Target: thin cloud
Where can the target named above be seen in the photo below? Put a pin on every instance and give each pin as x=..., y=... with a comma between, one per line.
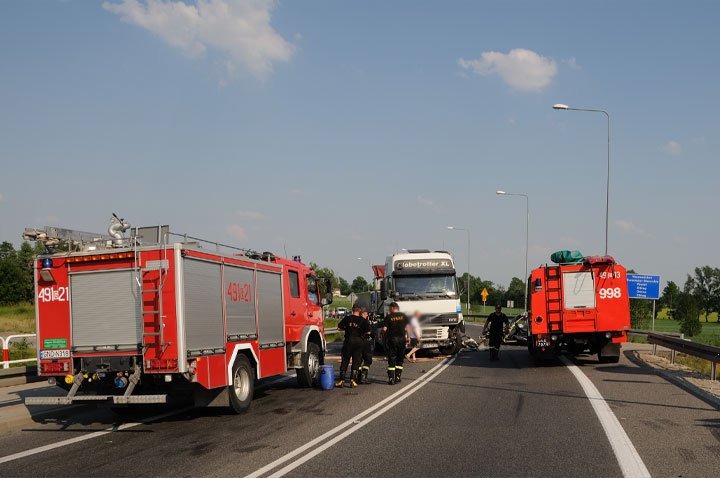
x=429, y=203
x=250, y=214
x=672, y=147
x=239, y=31
x=2, y=198
x=521, y=69
x=236, y=231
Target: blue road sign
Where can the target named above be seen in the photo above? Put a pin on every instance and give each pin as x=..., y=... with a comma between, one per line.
x=643, y=287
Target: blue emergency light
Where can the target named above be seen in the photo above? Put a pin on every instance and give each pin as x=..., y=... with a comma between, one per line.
x=296, y=258
x=47, y=263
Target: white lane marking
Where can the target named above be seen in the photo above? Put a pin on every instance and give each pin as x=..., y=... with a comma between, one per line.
x=627, y=456
x=310, y=444
x=70, y=441
x=358, y=425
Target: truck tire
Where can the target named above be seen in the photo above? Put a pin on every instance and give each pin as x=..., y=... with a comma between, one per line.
x=243, y=384
x=309, y=374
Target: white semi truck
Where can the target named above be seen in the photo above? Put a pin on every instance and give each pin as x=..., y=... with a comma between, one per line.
x=425, y=281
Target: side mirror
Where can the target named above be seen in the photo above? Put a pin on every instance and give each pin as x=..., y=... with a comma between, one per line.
x=383, y=289
x=326, y=301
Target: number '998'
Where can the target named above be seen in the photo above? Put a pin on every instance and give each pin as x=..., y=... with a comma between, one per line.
x=610, y=293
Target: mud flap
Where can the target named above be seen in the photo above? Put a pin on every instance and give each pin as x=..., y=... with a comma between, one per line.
x=610, y=350
x=217, y=397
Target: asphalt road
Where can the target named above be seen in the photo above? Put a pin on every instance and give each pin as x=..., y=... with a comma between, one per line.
x=450, y=417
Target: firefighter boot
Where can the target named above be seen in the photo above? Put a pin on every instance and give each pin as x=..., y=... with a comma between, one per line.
x=354, y=380
x=391, y=376
x=364, y=376
x=341, y=379
x=398, y=373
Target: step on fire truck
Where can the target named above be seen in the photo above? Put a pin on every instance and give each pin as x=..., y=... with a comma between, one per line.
x=141, y=319
x=579, y=307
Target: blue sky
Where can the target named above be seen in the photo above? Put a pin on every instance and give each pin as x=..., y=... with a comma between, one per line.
x=345, y=129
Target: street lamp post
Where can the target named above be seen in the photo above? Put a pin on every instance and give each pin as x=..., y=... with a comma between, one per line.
x=607, y=196
x=453, y=228
x=527, y=235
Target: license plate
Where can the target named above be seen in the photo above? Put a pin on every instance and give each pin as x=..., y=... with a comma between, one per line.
x=52, y=354
x=428, y=346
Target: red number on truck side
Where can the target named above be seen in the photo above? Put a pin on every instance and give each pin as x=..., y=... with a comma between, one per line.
x=239, y=292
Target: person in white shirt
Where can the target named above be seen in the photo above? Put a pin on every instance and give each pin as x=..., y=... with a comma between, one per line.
x=415, y=336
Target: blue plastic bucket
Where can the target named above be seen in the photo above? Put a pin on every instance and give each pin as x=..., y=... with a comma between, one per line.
x=327, y=377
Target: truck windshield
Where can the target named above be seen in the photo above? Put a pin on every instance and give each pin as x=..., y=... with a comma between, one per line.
x=426, y=286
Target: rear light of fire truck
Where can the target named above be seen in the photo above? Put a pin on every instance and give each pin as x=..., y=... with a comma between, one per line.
x=54, y=367
x=101, y=257
x=161, y=364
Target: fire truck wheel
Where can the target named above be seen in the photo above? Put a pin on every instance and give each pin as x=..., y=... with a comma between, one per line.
x=309, y=374
x=243, y=384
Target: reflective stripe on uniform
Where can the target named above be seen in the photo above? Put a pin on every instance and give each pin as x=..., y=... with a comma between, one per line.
x=391, y=368
x=398, y=367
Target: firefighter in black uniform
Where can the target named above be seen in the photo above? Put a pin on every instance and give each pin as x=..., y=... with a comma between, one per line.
x=367, y=352
x=498, y=324
x=355, y=328
x=395, y=336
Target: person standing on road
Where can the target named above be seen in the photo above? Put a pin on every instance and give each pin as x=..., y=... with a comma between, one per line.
x=355, y=328
x=367, y=351
x=395, y=336
x=498, y=324
x=415, y=336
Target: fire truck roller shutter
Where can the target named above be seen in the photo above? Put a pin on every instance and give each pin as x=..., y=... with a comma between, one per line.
x=203, y=305
x=579, y=290
x=105, y=309
x=270, y=309
x=240, y=304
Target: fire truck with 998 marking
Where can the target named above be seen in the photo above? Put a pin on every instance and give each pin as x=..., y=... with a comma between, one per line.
x=140, y=319
x=578, y=307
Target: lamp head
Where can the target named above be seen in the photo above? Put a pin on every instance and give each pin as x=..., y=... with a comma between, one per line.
x=560, y=106
x=500, y=193
x=451, y=227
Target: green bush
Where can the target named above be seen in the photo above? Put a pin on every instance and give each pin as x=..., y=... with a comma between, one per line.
x=687, y=311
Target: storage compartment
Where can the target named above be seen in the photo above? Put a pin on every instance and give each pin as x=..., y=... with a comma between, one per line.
x=105, y=310
x=579, y=290
x=240, y=303
x=204, y=329
x=271, y=318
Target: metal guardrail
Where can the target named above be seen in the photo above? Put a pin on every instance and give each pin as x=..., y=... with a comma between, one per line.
x=6, y=350
x=679, y=344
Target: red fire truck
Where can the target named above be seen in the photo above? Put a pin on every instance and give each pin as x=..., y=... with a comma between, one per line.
x=145, y=320
x=578, y=308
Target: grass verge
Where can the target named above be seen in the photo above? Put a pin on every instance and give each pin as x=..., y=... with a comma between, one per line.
x=17, y=318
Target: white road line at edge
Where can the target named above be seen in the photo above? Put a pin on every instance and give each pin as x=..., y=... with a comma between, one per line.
x=354, y=424
x=627, y=456
x=70, y=441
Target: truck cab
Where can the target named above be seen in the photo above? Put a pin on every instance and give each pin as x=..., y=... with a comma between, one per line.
x=425, y=281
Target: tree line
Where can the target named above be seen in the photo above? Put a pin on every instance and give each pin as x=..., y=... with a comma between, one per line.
x=698, y=298
x=16, y=272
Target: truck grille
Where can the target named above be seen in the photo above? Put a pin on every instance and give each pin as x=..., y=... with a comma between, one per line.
x=435, y=333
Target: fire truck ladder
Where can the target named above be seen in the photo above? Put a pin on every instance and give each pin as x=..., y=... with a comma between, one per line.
x=553, y=298
x=161, y=267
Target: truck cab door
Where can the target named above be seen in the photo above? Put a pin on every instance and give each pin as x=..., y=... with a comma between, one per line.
x=314, y=304
x=295, y=297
